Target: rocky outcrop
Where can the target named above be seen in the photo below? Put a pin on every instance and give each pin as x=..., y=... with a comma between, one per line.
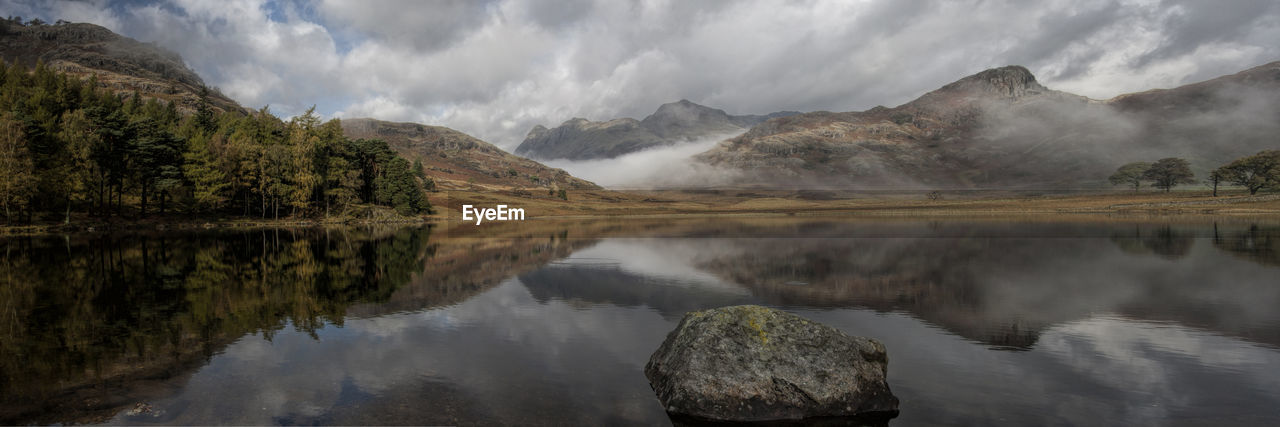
x=672, y=123
x=751, y=363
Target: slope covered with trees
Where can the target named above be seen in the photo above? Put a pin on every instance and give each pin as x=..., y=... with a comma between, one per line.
x=122, y=65
x=67, y=147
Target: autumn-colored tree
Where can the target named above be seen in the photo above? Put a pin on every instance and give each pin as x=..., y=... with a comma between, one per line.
x=68, y=144
x=209, y=183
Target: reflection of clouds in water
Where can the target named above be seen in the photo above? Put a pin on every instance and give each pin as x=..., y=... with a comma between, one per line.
x=1135, y=353
x=1096, y=371
x=1167, y=371
x=499, y=348
x=659, y=258
x=395, y=324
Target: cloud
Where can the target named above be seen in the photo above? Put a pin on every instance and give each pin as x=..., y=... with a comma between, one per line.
x=657, y=167
x=496, y=68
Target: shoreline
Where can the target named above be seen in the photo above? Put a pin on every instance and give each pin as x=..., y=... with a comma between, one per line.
x=163, y=224
x=683, y=205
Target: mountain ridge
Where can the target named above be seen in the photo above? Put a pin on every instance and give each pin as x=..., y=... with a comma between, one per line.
x=672, y=123
x=1000, y=128
x=456, y=160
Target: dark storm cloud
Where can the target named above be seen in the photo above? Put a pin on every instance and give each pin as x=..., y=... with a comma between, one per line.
x=496, y=68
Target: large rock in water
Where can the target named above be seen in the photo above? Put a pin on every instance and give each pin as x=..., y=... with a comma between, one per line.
x=751, y=363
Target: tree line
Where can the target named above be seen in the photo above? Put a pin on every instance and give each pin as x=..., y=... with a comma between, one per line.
x=1260, y=171
x=68, y=147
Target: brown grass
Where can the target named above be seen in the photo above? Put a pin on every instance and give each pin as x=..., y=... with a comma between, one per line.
x=784, y=203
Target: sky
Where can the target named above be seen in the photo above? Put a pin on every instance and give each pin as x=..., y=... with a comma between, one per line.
x=496, y=68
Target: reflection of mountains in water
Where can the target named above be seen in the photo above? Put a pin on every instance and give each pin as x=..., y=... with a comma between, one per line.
x=601, y=281
x=995, y=286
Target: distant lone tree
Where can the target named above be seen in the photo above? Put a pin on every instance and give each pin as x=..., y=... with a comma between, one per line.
x=1216, y=178
x=1130, y=174
x=1255, y=172
x=1168, y=172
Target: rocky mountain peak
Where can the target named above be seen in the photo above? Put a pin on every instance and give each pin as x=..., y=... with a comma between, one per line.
x=685, y=119
x=537, y=130
x=685, y=108
x=1013, y=81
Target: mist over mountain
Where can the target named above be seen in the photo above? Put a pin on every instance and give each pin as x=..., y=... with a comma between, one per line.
x=121, y=64
x=1000, y=128
x=672, y=124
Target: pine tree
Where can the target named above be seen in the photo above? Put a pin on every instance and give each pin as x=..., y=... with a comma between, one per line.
x=16, y=173
x=83, y=175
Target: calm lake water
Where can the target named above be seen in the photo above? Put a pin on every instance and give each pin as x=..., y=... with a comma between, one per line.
x=1107, y=321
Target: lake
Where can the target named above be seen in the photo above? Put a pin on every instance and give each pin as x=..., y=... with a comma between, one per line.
x=1024, y=321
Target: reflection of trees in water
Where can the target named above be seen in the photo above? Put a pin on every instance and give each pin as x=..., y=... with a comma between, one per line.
x=463, y=267
x=1258, y=243
x=1163, y=241
x=82, y=320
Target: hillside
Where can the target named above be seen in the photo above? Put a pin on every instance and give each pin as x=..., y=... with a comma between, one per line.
x=121, y=64
x=210, y=171
x=1000, y=128
x=457, y=161
x=672, y=123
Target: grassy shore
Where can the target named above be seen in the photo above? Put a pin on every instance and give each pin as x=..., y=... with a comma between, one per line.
x=791, y=203
x=681, y=203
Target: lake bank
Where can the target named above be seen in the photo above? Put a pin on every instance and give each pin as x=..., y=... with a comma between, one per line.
x=738, y=203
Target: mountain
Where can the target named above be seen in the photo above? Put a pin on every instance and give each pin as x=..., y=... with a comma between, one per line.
x=456, y=160
x=122, y=64
x=673, y=123
x=453, y=159
x=1001, y=128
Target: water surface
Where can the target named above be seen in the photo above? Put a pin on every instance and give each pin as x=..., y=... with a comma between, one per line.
x=1113, y=321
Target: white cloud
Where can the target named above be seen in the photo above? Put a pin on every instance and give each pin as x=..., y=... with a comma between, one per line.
x=494, y=69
